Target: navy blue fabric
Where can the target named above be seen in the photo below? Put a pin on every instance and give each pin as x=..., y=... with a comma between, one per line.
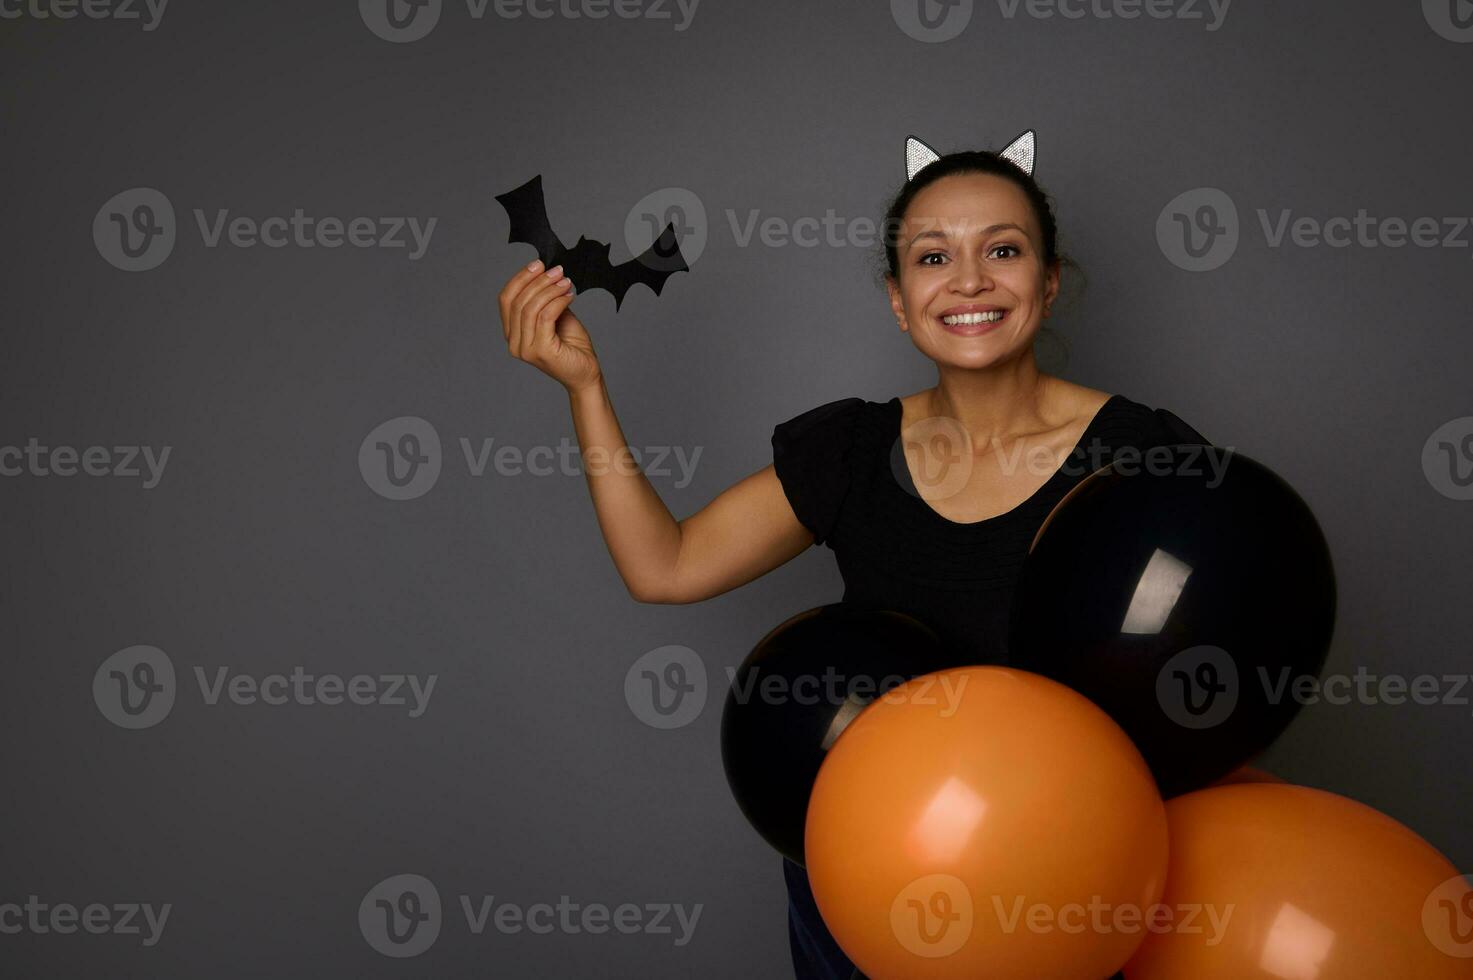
x=816, y=956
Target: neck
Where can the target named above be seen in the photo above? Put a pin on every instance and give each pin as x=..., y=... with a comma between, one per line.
x=997, y=402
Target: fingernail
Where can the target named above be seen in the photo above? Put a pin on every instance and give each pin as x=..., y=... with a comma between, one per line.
x=554, y=272
x=534, y=265
x=566, y=283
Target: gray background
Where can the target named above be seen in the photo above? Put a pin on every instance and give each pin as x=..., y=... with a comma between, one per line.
x=530, y=776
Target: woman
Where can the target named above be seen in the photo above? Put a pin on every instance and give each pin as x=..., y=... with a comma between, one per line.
x=929, y=501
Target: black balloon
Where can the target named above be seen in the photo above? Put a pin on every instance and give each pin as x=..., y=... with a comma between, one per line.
x=1185, y=597
x=797, y=691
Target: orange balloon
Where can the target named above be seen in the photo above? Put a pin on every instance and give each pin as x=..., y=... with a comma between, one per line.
x=985, y=822
x=1285, y=882
x=1248, y=774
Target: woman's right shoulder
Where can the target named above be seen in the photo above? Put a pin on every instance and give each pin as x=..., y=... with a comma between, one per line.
x=838, y=423
x=817, y=453
x=829, y=415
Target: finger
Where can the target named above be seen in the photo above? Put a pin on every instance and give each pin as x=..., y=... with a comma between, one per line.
x=545, y=328
x=524, y=309
x=518, y=280
x=524, y=277
x=530, y=289
x=525, y=315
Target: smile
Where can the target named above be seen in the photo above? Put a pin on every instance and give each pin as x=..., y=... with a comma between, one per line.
x=990, y=316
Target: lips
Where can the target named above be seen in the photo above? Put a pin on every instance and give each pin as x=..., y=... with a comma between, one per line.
x=975, y=326
x=970, y=308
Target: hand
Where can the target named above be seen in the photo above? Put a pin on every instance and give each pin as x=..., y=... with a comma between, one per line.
x=541, y=330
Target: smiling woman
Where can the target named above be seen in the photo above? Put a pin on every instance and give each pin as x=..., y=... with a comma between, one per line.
x=929, y=500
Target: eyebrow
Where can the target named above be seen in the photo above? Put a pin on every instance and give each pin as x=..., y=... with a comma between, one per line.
x=937, y=233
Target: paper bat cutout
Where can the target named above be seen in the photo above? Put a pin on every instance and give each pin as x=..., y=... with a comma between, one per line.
x=587, y=263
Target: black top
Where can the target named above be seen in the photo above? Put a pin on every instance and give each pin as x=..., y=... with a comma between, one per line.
x=842, y=466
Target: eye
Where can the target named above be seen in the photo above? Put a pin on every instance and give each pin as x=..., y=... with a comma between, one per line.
x=928, y=255
x=1017, y=251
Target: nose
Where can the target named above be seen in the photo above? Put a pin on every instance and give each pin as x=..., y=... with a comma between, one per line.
x=970, y=276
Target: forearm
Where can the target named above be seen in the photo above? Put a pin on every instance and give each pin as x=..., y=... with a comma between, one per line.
x=642, y=535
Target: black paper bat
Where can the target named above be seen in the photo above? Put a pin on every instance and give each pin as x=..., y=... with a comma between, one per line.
x=587, y=263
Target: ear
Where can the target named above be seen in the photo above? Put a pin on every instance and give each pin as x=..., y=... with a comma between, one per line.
x=1020, y=151
x=917, y=155
x=896, y=306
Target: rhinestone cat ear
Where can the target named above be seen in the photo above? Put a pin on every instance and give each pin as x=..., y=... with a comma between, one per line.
x=917, y=155
x=1020, y=151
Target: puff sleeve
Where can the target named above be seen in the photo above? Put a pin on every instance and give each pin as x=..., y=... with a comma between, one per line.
x=811, y=455
x=1177, y=432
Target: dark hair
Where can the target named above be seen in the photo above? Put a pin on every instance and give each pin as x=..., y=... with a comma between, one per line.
x=972, y=162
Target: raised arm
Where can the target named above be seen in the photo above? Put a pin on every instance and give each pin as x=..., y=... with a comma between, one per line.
x=746, y=531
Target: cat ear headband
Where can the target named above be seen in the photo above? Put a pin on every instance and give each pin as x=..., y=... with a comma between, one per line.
x=918, y=154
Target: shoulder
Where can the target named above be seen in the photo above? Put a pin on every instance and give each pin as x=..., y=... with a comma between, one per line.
x=835, y=424
x=829, y=415
x=1145, y=425
x=816, y=455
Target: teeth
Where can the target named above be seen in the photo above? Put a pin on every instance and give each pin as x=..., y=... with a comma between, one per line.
x=991, y=316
